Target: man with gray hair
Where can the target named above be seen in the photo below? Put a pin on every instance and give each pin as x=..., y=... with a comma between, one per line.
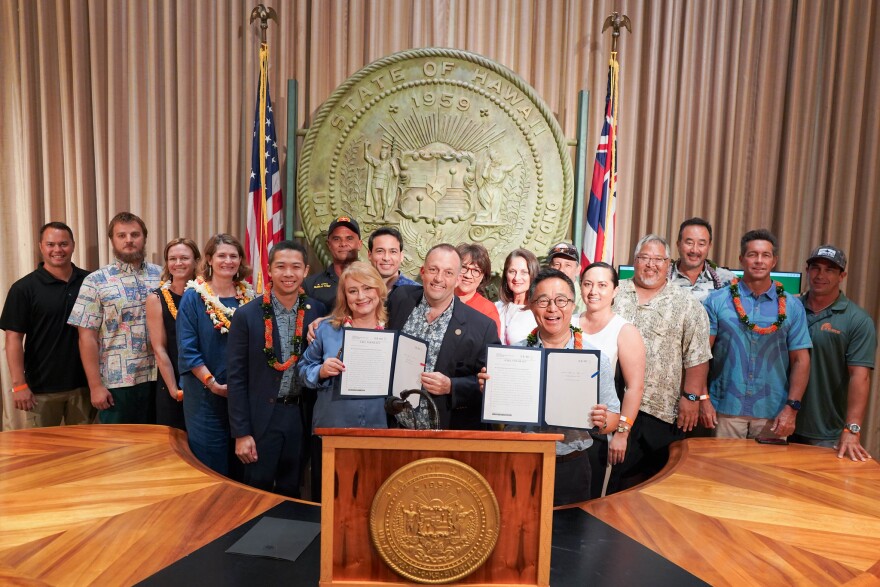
x=676, y=333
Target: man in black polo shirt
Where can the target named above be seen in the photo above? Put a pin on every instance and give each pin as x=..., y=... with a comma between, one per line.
x=344, y=242
x=42, y=350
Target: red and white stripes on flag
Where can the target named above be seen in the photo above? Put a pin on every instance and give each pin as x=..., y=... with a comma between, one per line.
x=265, y=221
x=602, y=208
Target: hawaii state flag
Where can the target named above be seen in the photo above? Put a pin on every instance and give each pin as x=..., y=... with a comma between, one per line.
x=601, y=210
x=265, y=201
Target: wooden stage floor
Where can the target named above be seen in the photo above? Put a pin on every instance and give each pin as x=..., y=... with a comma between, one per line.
x=114, y=505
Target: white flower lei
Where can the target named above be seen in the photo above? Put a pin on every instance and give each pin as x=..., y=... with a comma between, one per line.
x=244, y=293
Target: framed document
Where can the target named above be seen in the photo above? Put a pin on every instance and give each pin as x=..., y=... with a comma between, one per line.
x=379, y=363
x=538, y=386
x=571, y=387
x=512, y=395
x=369, y=357
x=409, y=364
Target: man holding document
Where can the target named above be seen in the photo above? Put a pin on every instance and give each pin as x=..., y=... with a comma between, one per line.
x=572, y=402
x=457, y=337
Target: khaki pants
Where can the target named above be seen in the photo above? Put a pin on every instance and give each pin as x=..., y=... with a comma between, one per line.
x=743, y=427
x=57, y=407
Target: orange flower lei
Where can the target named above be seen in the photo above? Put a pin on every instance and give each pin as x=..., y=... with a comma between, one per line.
x=296, y=343
x=741, y=313
x=214, y=308
x=532, y=338
x=165, y=288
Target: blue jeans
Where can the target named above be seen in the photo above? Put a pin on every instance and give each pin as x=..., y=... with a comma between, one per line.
x=207, y=424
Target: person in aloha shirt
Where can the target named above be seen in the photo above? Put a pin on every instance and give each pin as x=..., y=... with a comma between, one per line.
x=761, y=349
x=110, y=314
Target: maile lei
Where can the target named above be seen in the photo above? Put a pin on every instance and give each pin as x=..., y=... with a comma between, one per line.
x=295, y=343
x=532, y=338
x=741, y=313
x=219, y=314
x=165, y=288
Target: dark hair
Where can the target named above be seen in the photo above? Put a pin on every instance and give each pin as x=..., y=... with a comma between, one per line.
x=695, y=221
x=761, y=234
x=244, y=270
x=125, y=218
x=288, y=245
x=615, y=278
x=550, y=273
x=531, y=264
x=480, y=256
x=384, y=231
x=166, y=274
x=57, y=226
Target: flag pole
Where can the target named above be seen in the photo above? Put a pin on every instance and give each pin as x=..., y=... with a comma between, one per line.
x=264, y=14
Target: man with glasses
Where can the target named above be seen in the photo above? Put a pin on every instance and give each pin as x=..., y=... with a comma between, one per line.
x=676, y=334
x=457, y=337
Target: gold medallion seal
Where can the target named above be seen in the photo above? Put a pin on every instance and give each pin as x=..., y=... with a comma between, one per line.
x=434, y=520
x=444, y=145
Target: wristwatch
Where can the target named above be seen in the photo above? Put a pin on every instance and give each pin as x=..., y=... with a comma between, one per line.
x=854, y=428
x=793, y=404
x=694, y=397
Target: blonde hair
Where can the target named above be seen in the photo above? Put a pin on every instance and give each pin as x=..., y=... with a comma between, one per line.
x=366, y=274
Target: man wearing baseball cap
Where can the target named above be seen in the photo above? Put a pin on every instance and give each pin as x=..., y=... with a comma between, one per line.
x=565, y=257
x=344, y=242
x=844, y=344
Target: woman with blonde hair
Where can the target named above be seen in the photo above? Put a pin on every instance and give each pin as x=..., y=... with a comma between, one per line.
x=203, y=323
x=181, y=259
x=360, y=303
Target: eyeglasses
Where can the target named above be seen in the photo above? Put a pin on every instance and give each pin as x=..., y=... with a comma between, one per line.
x=560, y=302
x=656, y=261
x=475, y=271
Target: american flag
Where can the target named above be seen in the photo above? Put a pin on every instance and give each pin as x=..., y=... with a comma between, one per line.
x=601, y=211
x=265, y=201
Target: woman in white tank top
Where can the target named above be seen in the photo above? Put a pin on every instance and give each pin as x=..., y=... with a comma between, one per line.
x=619, y=340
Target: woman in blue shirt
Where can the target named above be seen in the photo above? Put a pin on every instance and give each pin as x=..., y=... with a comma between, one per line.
x=203, y=321
x=360, y=303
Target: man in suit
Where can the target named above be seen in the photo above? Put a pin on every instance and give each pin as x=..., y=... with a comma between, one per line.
x=265, y=403
x=457, y=337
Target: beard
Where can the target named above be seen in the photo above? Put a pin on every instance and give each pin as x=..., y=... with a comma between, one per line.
x=135, y=258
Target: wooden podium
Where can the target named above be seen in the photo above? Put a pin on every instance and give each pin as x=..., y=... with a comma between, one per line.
x=519, y=468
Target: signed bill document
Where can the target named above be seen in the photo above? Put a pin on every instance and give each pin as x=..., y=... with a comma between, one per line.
x=380, y=363
x=537, y=386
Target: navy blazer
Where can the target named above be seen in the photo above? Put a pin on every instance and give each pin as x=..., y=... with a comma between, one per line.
x=252, y=384
x=462, y=355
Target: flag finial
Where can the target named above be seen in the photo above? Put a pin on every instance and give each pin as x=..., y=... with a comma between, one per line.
x=264, y=13
x=615, y=20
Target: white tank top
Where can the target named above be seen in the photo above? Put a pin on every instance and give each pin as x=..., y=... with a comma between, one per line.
x=606, y=339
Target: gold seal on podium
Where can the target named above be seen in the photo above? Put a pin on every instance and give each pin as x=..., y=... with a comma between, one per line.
x=444, y=145
x=434, y=520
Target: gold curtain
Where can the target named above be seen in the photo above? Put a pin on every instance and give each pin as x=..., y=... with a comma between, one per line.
x=750, y=114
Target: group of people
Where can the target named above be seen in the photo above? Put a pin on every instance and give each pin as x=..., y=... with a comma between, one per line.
x=683, y=344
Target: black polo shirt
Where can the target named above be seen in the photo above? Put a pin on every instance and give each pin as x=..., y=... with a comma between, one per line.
x=322, y=286
x=37, y=306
